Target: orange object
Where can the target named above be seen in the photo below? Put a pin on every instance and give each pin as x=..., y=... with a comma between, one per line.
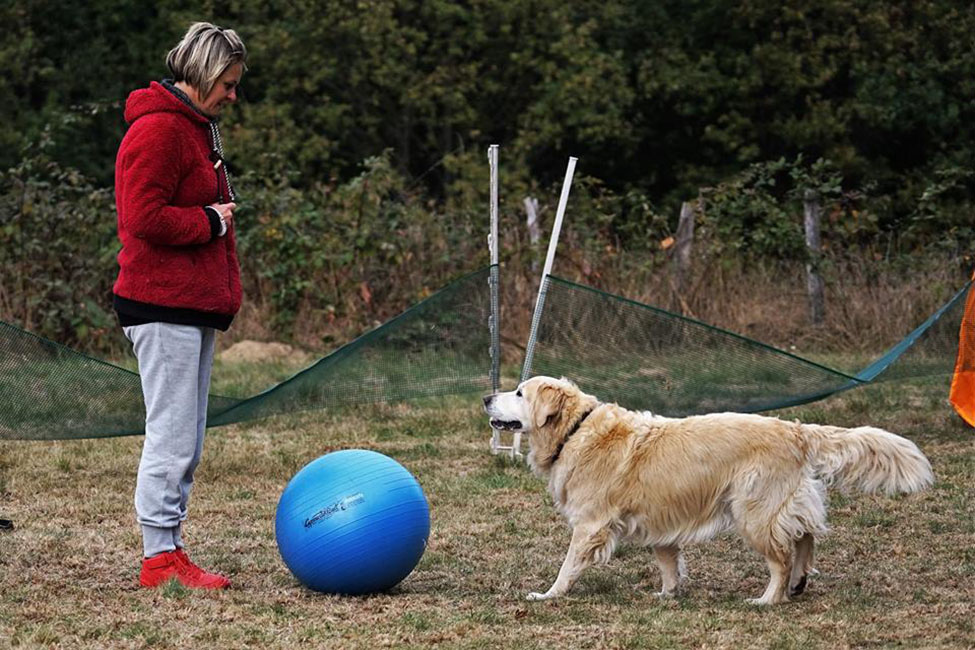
x=962, y=393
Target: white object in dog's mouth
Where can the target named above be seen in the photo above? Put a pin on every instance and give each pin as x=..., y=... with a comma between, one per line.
x=507, y=425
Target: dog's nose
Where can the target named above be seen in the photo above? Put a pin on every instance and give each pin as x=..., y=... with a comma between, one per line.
x=488, y=399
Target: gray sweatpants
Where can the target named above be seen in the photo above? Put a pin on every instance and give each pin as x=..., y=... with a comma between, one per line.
x=174, y=365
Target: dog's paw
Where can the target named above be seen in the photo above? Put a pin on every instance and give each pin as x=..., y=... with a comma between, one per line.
x=665, y=594
x=799, y=587
x=537, y=596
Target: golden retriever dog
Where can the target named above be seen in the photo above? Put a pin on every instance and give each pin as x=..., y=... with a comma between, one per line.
x=619, y=475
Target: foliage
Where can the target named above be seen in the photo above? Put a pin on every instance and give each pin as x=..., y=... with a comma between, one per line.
x=665, y=97
x=56, y=249
x=944, y=212
x=362, y=128
x=335, y=246
x=756, y=213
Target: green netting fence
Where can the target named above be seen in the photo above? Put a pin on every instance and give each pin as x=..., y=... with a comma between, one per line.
x=438, y=347
x=647, y=358
x=637, y=355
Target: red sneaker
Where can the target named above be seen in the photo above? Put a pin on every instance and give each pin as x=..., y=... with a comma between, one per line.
x=175, y=564
x=216, y=580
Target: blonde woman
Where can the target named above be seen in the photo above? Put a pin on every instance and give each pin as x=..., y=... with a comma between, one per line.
x=179, y=278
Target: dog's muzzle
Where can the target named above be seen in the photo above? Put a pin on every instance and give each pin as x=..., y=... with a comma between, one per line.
x=496, y=422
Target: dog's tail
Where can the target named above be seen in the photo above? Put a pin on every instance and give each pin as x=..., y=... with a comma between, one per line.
x=867, y=459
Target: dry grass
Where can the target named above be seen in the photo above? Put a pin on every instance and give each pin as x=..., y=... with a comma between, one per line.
x=895, y=572
x=865, y=310
x=870, y=304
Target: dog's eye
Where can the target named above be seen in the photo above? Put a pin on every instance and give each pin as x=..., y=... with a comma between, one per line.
x=518, y=394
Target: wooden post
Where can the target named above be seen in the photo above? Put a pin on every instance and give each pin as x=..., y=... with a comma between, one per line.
x=812, y=215
x=685, y=242
x=534, y=232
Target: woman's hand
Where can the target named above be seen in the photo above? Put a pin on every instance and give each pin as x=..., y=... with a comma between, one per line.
x=226, y=211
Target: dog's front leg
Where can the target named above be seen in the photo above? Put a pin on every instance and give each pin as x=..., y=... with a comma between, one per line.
x=588, y=544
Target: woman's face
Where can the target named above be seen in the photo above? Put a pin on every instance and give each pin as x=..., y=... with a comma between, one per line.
x=224, y=91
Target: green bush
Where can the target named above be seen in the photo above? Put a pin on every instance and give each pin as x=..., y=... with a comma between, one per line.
x=57, y=248
x=360, y=250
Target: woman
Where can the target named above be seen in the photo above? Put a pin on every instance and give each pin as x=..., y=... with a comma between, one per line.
x=179, y=279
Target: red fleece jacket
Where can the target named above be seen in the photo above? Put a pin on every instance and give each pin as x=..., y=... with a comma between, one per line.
x=163, y=180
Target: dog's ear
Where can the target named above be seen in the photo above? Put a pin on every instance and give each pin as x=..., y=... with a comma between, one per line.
x=549, y=402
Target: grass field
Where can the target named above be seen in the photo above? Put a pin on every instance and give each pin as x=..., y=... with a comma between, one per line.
x=894, y=572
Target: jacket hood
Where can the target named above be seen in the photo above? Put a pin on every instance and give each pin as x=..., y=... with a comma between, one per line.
x=156, y=99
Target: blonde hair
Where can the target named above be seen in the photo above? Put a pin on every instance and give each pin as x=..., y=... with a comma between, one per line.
x=204, y=54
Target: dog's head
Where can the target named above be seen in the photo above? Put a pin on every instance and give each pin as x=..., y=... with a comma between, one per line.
x=546, y=408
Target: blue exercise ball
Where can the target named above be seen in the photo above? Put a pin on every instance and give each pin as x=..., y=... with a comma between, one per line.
x=352, y=522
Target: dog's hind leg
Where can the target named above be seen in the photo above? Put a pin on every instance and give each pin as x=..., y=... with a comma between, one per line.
x=672, y=569
x=803, y=564
x=590, y=544
x=776, y=546
x=810, y=508
x=777, y=590
x=779, y=509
